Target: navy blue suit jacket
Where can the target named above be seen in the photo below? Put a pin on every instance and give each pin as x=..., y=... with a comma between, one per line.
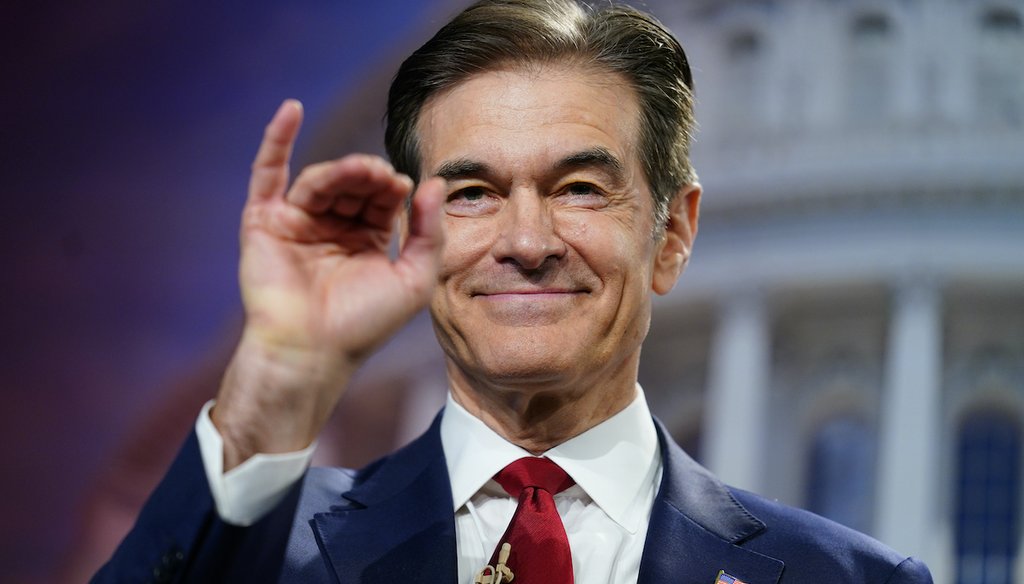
x=393, y=522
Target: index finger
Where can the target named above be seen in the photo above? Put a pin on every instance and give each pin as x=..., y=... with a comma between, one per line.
x=270, y=167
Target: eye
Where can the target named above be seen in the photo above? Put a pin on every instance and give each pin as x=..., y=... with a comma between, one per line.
x=584, y=194
x=582, y=189
x=471, y=201
x=468, y=194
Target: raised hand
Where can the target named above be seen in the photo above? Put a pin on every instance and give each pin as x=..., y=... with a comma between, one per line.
x=319, y=289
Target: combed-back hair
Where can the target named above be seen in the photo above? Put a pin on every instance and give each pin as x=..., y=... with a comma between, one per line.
x=495, y=34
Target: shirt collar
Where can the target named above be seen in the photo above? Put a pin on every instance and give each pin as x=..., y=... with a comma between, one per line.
x=616, y=463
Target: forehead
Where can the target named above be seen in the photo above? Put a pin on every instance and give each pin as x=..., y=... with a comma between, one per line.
x=528, y=115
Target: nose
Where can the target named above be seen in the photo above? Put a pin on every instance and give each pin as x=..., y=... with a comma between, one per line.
x=527, y=232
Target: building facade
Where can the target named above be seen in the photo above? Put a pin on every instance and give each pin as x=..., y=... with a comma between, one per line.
x=850, y=335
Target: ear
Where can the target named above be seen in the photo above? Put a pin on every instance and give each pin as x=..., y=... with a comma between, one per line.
x=673, y=251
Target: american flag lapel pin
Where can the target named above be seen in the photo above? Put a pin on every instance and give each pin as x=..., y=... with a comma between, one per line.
x=724, y=578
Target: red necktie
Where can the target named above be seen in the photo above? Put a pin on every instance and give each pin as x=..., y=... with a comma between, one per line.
x=539, y=548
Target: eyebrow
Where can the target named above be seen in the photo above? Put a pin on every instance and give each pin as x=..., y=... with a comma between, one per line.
x=461, y=168
x=597, y=157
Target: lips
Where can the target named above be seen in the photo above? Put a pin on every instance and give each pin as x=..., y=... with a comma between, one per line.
x=528, y=306
x=530, y=292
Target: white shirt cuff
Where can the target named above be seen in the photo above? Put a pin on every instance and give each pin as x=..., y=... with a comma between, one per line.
x=249, y=491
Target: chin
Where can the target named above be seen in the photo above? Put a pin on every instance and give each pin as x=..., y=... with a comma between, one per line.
x=529, y=365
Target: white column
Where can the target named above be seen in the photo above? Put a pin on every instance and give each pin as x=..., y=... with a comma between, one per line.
x=737, y=385
x=910, y=427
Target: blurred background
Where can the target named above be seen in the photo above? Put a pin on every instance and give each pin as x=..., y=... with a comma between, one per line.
x=849, y=337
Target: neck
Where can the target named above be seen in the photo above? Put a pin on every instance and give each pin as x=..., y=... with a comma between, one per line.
x=539, y=416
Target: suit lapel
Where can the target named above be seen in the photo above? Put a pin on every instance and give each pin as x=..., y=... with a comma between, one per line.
x=697, y=528
x=397, y=524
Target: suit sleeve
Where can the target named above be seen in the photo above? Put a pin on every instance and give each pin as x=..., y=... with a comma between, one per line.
x=910, y=571
x=178, y=536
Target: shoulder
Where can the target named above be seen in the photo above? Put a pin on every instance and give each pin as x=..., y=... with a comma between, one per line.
x=323, y=490
x=324, y=485
x=817, y=549
x=335, y=488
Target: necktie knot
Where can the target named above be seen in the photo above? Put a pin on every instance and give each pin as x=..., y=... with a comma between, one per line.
x=530, y=471
x=534, y=548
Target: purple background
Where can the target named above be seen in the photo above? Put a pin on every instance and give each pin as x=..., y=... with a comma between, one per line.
x=127, y=132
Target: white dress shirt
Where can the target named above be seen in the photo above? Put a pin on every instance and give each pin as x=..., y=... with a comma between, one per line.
x=616, y=465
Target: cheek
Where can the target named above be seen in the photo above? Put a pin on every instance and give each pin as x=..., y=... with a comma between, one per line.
x=465, y=241
x=614, y=252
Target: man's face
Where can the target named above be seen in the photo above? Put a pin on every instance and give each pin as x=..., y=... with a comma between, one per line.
x=549, y=258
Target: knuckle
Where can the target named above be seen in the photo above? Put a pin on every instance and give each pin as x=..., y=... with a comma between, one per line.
x=310, y=173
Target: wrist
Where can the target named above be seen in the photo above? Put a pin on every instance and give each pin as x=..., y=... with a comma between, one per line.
x=275, y=399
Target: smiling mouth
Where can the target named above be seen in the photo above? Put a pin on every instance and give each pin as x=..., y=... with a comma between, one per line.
x=529, y=307
x=533, y=292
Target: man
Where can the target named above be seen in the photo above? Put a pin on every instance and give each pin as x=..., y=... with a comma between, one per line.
x=550, y=147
